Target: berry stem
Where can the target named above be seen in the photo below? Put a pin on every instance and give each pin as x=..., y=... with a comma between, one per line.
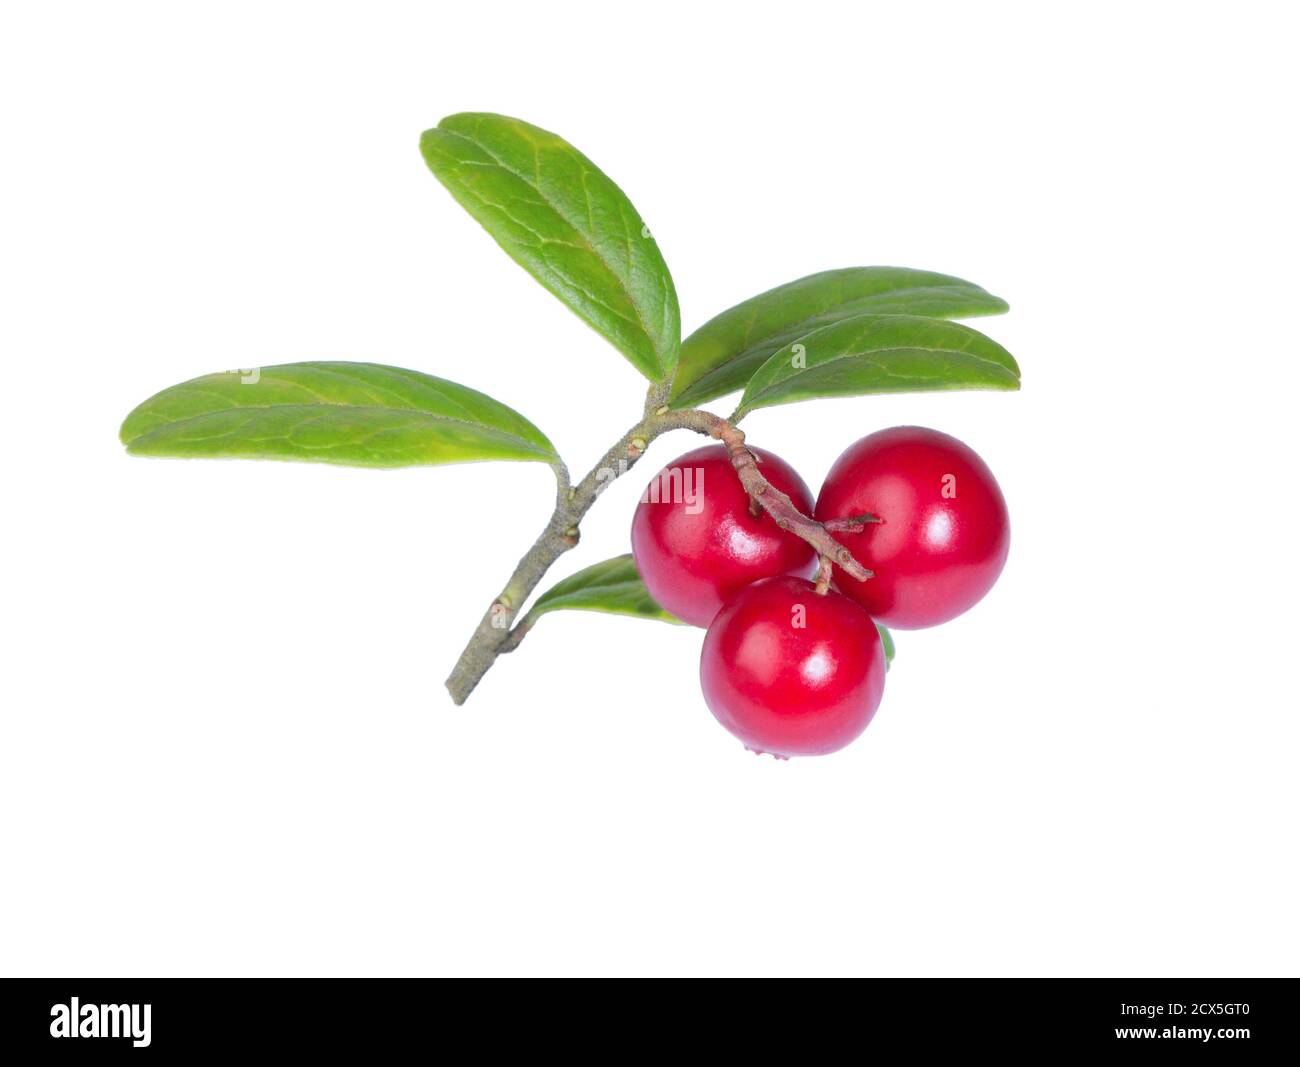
x=494, y=635
x=852, y=524
x=777, y=504
x=824, y=569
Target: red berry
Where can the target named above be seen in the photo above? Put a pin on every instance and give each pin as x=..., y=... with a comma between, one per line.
x=696, y=541
x=944, y=534
x=792, y=672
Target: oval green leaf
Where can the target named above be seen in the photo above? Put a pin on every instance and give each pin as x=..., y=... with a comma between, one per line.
x=355, y=414
x=566, y=223
x=721, y=355
x=880, y=354
x=612, y=586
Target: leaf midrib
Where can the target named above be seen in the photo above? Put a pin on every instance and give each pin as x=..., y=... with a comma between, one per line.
x=587, y=590
x=270, y=375
x=745, y=404
x=418, y=412
x=541, y=240
x=536, y=183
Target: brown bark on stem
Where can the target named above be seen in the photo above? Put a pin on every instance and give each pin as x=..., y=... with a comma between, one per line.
x=494, y=635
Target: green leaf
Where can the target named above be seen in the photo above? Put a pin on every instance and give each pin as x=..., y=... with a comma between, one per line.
x=880, y=354
x=612, y=585
x=357, y=414
x=887, y=639
x=561, y=219
x=720, y=356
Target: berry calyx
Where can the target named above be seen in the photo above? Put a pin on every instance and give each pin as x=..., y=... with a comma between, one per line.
x=790, y=671
x=943, y=534
x=698, y=538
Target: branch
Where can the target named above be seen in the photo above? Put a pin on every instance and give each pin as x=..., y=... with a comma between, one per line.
x=494, y=635
x=825, y=572
x=781, y=507
x=852, y=524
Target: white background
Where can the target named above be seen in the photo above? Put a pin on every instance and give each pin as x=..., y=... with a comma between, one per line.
x=225, y=747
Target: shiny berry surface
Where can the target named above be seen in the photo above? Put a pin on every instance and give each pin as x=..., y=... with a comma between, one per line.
x=696, y=541
x=791, y=672
x=944, y=535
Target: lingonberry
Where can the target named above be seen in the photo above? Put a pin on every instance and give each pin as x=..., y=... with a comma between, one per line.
x=790, y=671
x=943, y=536
x=696, y=540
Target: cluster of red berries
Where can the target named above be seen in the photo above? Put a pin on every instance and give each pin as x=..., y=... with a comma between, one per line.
x=789, y=669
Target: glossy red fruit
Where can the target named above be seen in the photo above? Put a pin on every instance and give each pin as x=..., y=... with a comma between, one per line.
x=696, y=541
x=792, y=672
x=944, y=534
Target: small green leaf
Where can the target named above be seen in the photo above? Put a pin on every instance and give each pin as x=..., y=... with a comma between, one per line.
x=356, y=414
x=720, y=356
x=880, y=354
x=612, y=585
x=887, y=639
x=561, y=219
